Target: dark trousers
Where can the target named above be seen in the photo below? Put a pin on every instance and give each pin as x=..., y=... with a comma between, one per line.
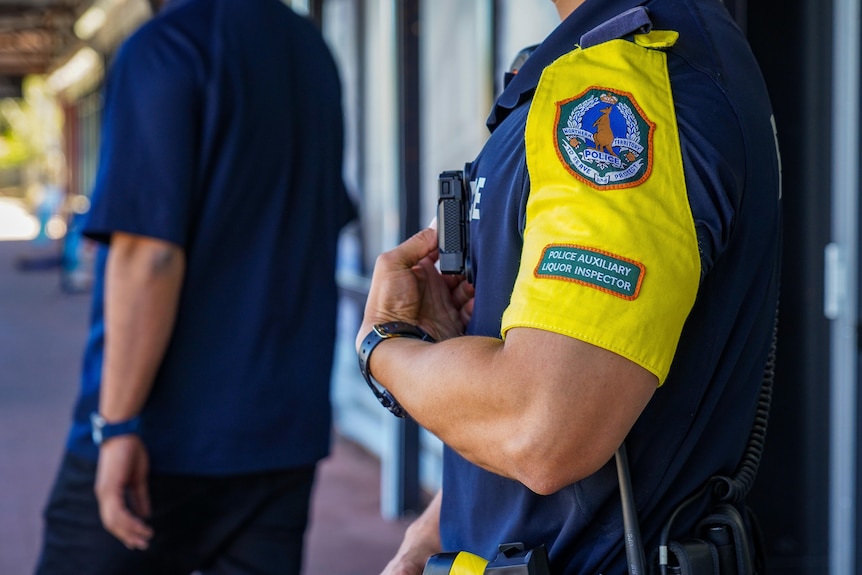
x=237, y=525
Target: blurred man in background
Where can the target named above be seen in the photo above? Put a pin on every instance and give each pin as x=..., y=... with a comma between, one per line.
x=204, y=403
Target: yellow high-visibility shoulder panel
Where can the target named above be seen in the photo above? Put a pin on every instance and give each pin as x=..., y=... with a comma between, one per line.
x=610, y=251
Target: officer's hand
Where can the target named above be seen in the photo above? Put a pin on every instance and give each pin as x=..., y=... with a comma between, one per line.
x=406, y=565
x=406, y=286
x=421, y=541
x=121, y=476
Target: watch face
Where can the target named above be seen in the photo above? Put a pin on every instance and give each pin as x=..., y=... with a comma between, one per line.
x=398, y=329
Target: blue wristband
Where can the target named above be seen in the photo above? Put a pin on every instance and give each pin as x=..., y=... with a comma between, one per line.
x=102, y=430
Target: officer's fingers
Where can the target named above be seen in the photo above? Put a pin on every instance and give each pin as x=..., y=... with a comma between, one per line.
x=462, y=293
x=403, y=566
x=410, y=252
x=466, y=312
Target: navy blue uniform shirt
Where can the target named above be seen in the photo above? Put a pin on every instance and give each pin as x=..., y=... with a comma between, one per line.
x=699, y=420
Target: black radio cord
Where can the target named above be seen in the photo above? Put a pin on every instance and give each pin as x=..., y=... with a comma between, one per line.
x=734, y=489
x=631, y=528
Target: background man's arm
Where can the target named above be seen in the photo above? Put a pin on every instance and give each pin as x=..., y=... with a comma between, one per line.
x=143, y=280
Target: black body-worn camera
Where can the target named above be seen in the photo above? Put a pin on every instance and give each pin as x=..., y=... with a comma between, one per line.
x=453, y=224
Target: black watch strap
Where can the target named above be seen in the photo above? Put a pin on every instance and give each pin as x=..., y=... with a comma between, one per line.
x=381, y=332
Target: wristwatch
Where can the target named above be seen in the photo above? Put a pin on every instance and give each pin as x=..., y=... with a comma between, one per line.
x=381, y=332
x=102, y=430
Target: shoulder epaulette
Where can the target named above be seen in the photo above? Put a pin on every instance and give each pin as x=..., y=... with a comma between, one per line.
x=633, y=21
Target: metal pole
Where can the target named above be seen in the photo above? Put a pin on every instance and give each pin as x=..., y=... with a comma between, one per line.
x=842, y=275
x=408, y=84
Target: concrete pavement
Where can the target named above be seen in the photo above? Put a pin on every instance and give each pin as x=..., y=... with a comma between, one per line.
x=42, y=333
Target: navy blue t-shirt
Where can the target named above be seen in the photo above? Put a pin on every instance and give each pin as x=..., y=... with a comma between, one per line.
x=698, y=422
x=222, y=134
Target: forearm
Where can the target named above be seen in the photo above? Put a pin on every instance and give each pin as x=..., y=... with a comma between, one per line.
x=443, y=387
x=465, y=391
x=424, y=533
x=421, y=540
x=541, y=408
x=142, y=286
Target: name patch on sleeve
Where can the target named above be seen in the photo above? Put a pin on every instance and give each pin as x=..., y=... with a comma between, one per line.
x=612, y=274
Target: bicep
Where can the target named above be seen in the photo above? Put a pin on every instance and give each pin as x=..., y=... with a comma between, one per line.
x=580, y=401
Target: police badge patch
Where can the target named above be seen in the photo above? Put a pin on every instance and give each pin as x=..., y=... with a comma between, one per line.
x=604, y=138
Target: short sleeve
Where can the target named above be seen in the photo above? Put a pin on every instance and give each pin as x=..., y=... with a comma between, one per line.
x=610, y=251
x=146, y=175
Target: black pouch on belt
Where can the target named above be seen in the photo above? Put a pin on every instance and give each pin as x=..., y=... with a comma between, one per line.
x=720, y=545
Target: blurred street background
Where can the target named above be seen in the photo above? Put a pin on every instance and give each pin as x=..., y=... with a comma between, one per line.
x=42, y=333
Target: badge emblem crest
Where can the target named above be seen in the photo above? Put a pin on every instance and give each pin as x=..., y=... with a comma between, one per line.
x=604, y=138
